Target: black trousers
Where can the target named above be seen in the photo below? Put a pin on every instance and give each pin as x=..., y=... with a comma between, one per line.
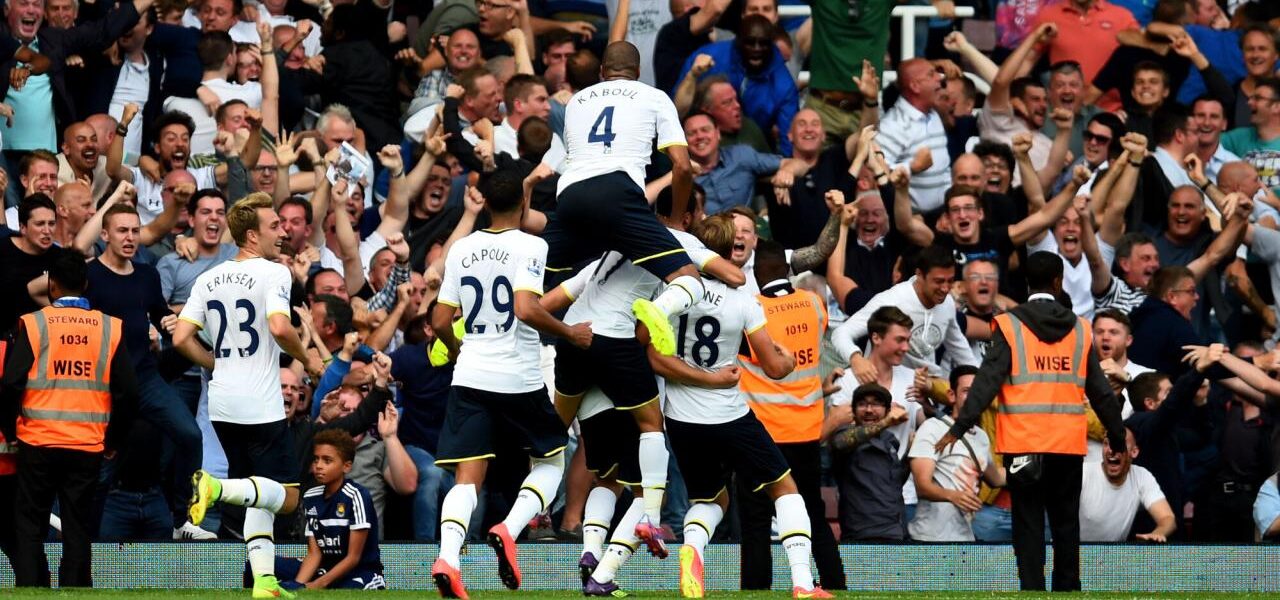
x=43, y=475
x=755, y=512
x=1057, y=494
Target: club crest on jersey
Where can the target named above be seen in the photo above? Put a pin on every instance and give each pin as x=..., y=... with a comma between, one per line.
x=341, y=510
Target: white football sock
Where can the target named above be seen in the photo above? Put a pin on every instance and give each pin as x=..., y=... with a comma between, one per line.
x=622, y=545
x=536, y=493
x=653, y=472
x=253, y=492
x=455, y=515
x=259, y=525
x=679, y=295
x=700, y=524
x=794, y=528
x=596, y=519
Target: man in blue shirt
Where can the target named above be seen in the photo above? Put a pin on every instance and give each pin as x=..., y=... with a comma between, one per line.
x=729, y=173
x=342, y=526
x=757, y=70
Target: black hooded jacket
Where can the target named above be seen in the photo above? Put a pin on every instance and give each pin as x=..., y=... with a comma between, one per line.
x=1050, y=322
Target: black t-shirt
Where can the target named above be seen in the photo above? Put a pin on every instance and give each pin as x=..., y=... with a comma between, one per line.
x=800, y=224
x=490, y=47
x=674, y=45
x=993, y=244
x=1117, y=73
x=17, y=269
x=135, y=299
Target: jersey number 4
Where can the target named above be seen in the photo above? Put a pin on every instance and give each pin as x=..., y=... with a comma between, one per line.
x=246, y=326
x=506, y=307
x=603, y=125
x=704, y=351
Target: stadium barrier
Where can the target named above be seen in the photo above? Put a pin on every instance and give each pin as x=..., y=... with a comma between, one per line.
x=878, y=567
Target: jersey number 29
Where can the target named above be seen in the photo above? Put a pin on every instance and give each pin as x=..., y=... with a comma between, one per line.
x=603, y=125
x=507, y=306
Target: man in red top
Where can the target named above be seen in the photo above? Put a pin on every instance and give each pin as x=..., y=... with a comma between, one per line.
x=1086, y=33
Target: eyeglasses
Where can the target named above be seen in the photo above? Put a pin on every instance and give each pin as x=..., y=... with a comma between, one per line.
x=964, y=209
x=265, y=169
x=486, y=5
x=1090, y=136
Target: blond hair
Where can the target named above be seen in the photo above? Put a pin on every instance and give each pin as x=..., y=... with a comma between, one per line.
x=243, y=216
x=717, y=232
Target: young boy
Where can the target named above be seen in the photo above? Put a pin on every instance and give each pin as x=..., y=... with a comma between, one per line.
x=342, y=527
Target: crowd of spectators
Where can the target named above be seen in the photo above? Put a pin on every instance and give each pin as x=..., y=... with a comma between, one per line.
x=1138, y=140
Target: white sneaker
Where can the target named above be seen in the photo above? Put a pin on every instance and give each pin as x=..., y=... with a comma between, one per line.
x=191, y=532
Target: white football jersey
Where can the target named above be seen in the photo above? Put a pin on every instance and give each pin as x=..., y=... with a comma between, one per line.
x=482, y=274
x=233, y=301
x=604, y=290
x=611, y=126
x=708, y=337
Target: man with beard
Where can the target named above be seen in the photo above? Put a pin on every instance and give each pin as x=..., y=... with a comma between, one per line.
x=890, y=335
x=130, y=291
x=868, y=468
x=1101, y=142
x=1017, y=104
x=79, y=159
x=172, y=148
x=1112, y=336
x=754, y=65
x=1110, y=494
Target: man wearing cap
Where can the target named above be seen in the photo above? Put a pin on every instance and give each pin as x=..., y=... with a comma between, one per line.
x=1042, y=364
x=868, y=470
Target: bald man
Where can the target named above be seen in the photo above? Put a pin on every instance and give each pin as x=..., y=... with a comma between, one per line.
x=912, y=135
x=81, y=158
x=75, y=205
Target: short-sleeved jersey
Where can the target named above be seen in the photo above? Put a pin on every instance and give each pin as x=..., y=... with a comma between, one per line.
x=232, y=302
x=482, y=274
x=708, y=337
x=604, y=290
x=611, y=126
x=330, y=521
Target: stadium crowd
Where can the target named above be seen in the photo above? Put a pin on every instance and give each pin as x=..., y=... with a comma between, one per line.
x=1139, y=140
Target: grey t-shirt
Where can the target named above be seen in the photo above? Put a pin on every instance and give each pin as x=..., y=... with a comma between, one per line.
x=367, y=469
x=954, y=469
x=177, y=275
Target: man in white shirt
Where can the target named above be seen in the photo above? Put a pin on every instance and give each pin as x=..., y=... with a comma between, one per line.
x=947, y=481
x=244, y=306
x=890, y=331
x=221, y=15
x=1112, y=491
x=926, y=298
x=526, y=96
x=912, y=134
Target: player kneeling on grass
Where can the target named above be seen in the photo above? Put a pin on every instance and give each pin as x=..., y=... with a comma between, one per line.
x=713, y=431
x=341, y=525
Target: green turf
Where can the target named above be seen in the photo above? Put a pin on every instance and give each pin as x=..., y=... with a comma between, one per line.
x=10, y=594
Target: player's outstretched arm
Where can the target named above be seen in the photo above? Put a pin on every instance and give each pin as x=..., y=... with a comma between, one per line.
x=184, y=339
x=530, y=311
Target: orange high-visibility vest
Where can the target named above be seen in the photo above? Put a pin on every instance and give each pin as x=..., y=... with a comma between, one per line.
x=791, y=407
x=1042, y=401
x=67, y=402
x=8, y=450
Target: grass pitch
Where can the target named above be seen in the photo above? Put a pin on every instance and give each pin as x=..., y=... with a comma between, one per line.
x=11, y=594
